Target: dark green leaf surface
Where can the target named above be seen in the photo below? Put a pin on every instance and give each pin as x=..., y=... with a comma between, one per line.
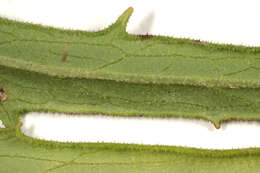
x=111, y=72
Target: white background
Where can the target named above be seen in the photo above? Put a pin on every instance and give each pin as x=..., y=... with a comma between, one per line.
x=220, y=21
x=223, y=21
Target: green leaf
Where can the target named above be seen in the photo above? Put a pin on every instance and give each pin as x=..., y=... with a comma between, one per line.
x=115, y=73
x=19, y=154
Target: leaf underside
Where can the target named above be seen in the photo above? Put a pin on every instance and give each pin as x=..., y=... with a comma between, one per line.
x=114, y=73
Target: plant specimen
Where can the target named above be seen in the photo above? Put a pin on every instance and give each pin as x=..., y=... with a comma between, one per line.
x=118, y=74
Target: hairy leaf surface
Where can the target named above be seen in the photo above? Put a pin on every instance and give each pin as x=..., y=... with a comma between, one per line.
x=112, y=72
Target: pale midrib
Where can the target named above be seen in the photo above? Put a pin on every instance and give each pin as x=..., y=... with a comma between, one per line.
x=128, y=78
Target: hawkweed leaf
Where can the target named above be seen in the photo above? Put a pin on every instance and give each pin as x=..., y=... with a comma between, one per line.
x=115, y=73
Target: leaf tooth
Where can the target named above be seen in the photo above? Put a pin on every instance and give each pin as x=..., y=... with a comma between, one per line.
x=119, y=27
